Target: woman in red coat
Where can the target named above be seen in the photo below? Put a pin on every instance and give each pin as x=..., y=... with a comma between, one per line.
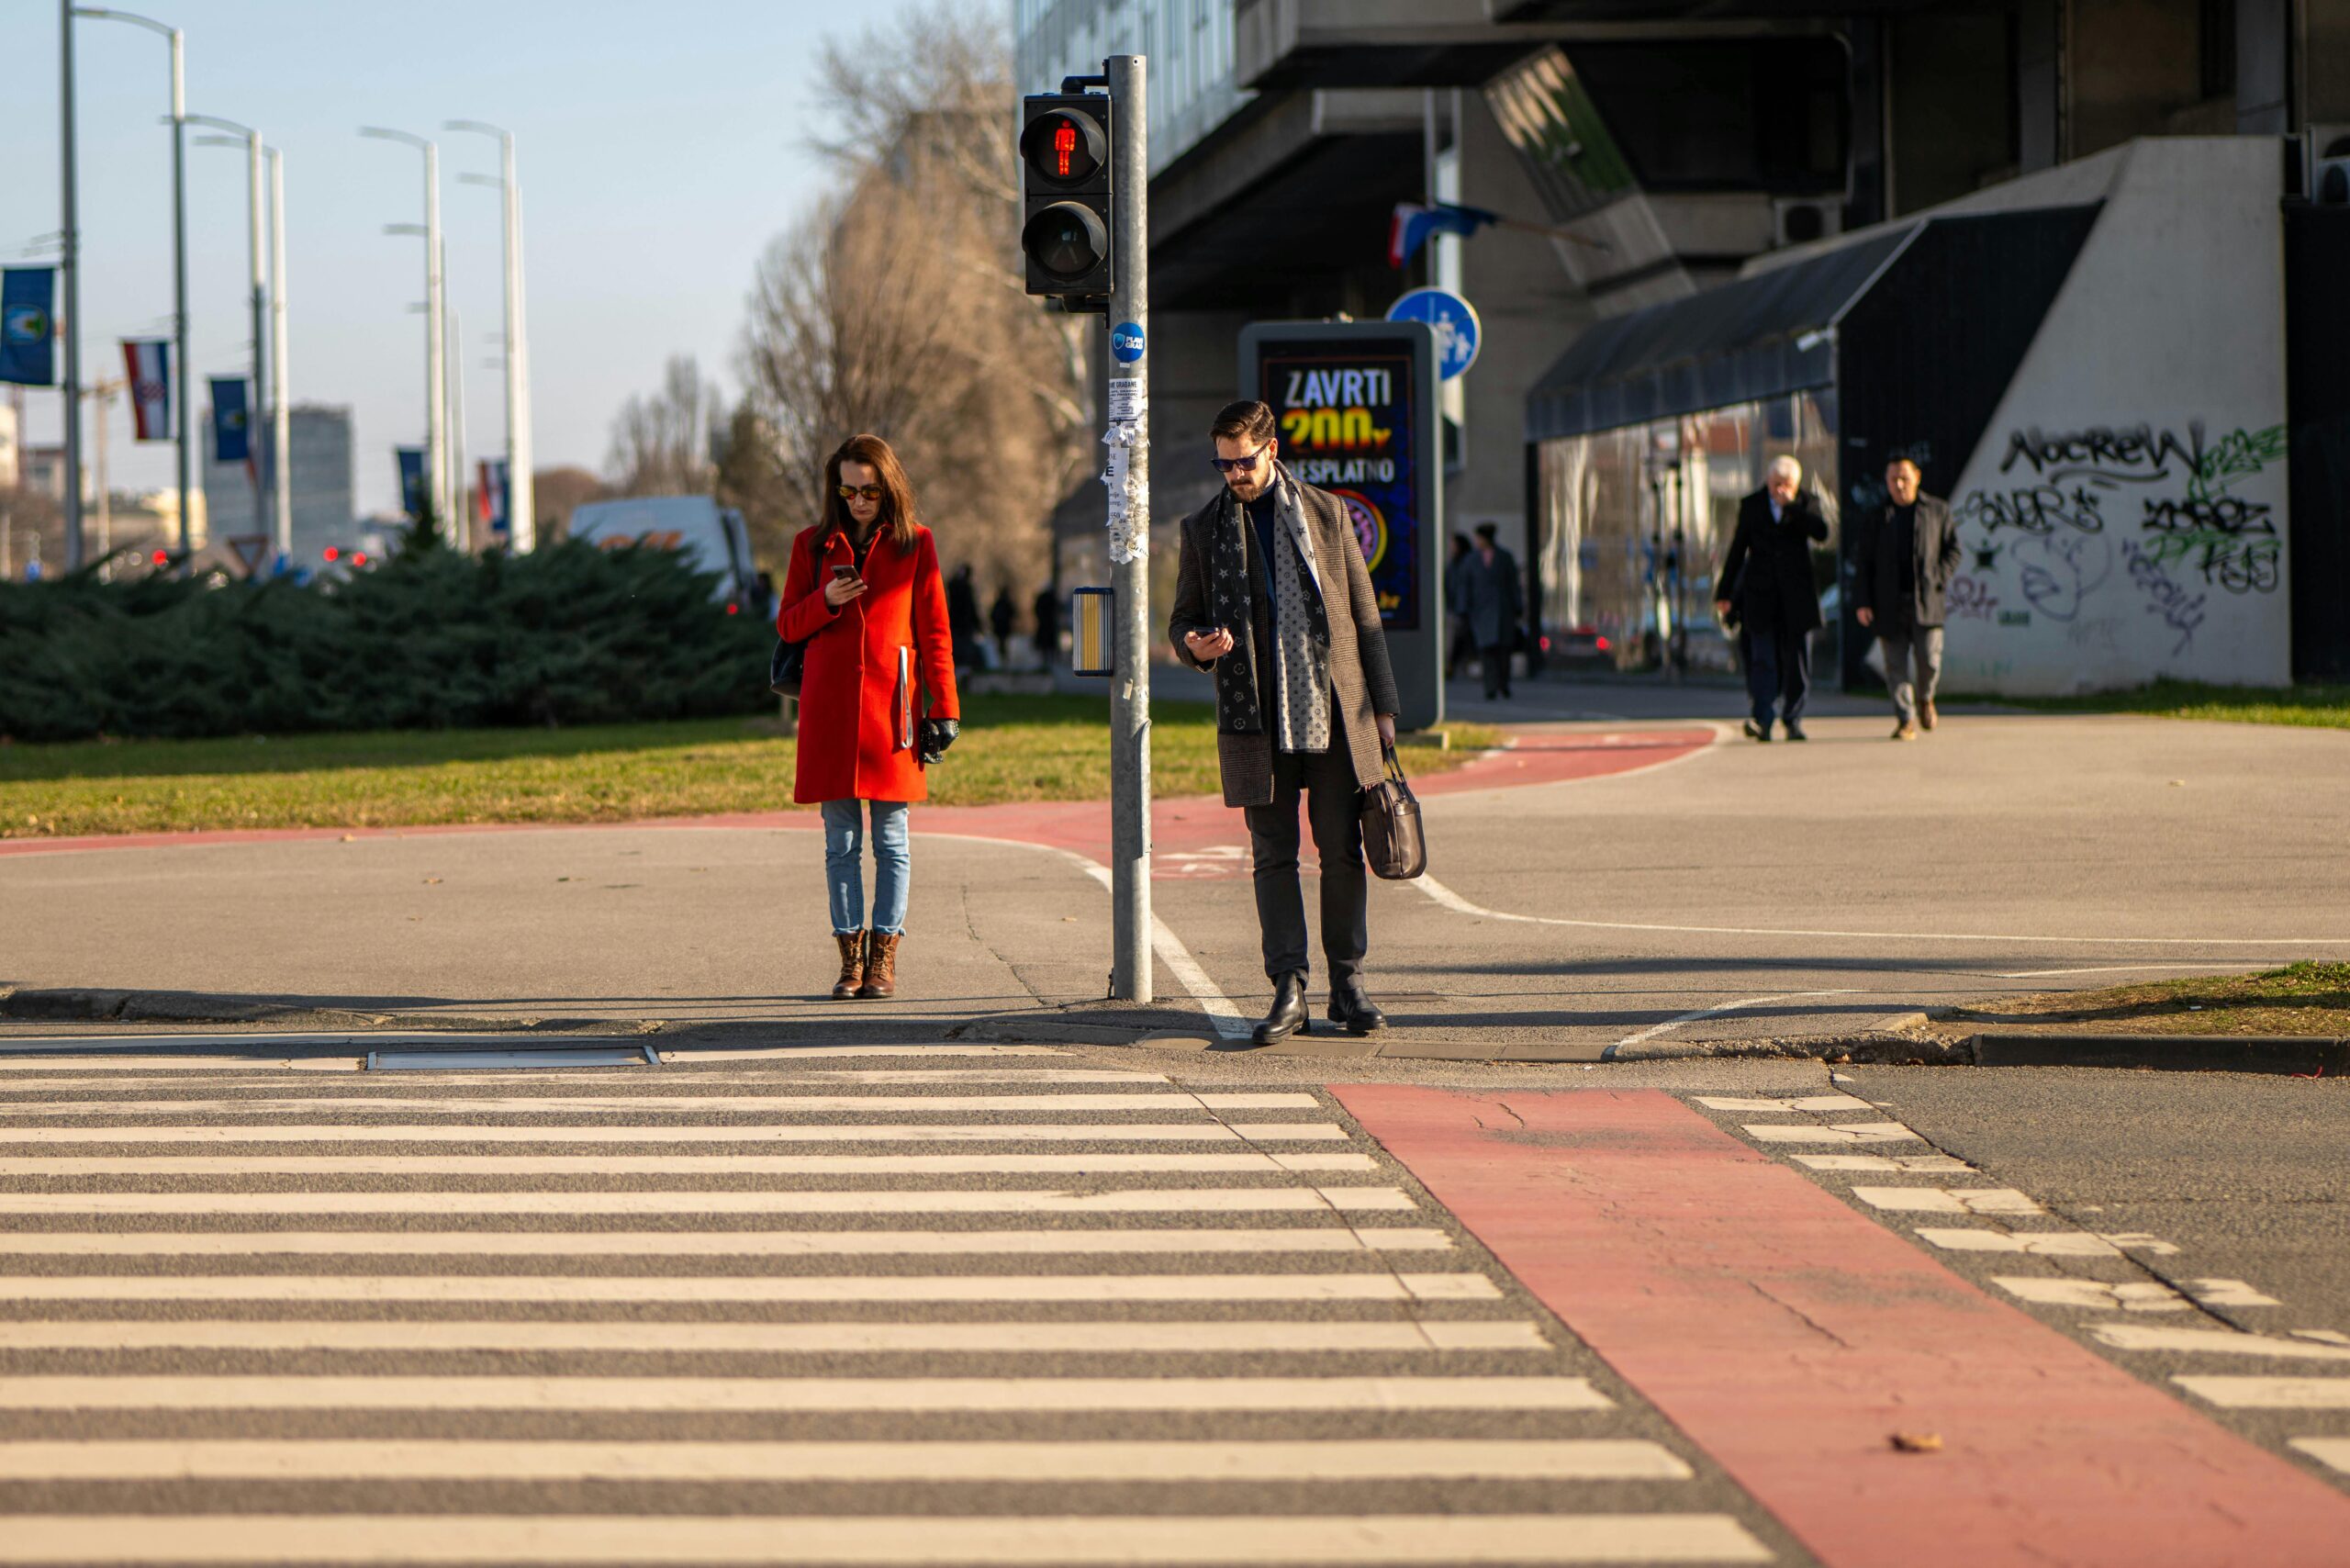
x=876, y=697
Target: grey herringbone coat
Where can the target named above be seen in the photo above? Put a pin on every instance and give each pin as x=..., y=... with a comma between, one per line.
x=1360, y=674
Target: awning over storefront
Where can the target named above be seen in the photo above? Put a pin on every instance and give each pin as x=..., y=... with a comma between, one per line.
x=1759, y=337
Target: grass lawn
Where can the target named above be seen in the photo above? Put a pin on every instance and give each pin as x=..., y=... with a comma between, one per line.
x=1013, y=748
x=2326, y=707
x=2307, y=998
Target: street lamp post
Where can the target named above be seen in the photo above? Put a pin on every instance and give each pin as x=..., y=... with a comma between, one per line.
x=69, y=262
x=522, y=517
x=280, y=419
x=179, y=240
x=436, y=407
x=256, y=245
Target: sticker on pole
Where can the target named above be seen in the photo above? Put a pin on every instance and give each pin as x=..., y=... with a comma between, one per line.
x=1458, y=332
x=1125, y=343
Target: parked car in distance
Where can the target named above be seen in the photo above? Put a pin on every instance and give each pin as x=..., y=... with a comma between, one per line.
x=711, y=538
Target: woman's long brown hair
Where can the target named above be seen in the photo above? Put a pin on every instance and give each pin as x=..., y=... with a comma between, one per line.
x=897, y=515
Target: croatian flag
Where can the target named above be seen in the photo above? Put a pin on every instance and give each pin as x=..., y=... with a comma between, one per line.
x=1413, y=223
x=149, y=364
x=490, y=495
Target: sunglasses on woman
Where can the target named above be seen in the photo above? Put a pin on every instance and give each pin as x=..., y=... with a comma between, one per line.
x=865, y=492
x=1237, y=464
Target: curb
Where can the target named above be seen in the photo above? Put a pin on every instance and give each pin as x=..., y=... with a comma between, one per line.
x=69, y=1006
x=1878, y=1046
x=2302, y=1055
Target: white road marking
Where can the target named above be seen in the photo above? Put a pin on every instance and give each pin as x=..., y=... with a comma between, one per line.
x=2331, y=1452
x=127, y=1061
x=1142, y=1200
x=927, y=1462
x=708, y=1243
x=2270, y=1393
x=2217, y=1341
x=672, y=1164
x=1949, y=1201
x=765, y=1395
x=2047, y=1244
x=1223, y=1015
x=1046, y=1339
x=1653, y=1030
x=1841, y=1132
x=660, y=1104
x=693, y=1056
x=142, y=1046
x=735, y=1289
x=767, y=1132
x=602, y=1541
x=1917, y=1164
x=2096, y=1296
x=1449, y=900
x=1812, y=1103
x=984, y=1075
x=2128, y=968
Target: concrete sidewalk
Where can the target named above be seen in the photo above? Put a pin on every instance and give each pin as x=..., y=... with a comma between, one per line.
x=1696, y=896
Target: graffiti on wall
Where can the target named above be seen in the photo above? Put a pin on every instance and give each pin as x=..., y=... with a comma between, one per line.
x=2176, y=489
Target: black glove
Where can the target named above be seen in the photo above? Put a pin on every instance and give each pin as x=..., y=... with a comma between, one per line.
x=938, y=735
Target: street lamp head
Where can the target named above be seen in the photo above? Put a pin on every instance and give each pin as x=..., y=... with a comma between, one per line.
x=381, y=134
x=492, y=181
x=484, y=127
x=217, y=123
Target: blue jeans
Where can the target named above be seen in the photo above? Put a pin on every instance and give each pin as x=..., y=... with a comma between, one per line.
x=845, y=869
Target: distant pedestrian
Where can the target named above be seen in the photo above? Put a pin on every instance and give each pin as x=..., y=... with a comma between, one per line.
x=1272, y=598
x=1904, y=558
x=1046, y=633
x=1461, y=646
x=863, y=591
x=1767, y=580
x=1001, y=616
x=1491, y=593
x=963, y=617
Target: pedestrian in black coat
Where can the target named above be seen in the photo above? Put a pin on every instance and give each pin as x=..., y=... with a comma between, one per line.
x=1765, y=581
x=1905, y=555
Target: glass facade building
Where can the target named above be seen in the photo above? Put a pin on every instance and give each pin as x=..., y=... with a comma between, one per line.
x=1188, y=42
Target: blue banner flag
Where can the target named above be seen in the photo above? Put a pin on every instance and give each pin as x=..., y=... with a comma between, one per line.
x=28, y=325
x=411, y=462
x=492, y=495
x=231, y=437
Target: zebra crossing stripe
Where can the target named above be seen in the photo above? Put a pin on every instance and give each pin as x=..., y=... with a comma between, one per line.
x=879, y=1200
x=760, y=1395
x=785, y=1132
x=639, y=1104
x=1348, y=1540
x=710, y=1243
x=2270, y=1393
x=2219, y=1342
x=1848, y=1131
x=1949, y=1200
x=674, y=1164
x=2331, y=1452
x=737, y=1289
x=1077, y=1460
x=1217, y=1338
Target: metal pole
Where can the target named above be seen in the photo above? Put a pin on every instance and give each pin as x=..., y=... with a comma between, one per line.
x=461, y=516
x=1130, y=916
x=436, y=439
x=70, y=264
x=281, y=424
x=179, y=284
x=522, y=492
x=260, y=406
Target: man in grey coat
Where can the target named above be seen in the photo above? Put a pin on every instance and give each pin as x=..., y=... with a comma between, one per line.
x=1903, y=562
x=1272, y=598
x=1491, y=591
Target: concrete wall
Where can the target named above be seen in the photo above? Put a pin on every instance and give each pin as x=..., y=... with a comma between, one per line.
x=2125, y=516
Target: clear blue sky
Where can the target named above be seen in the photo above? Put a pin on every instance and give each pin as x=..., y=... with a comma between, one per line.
x=660, y=147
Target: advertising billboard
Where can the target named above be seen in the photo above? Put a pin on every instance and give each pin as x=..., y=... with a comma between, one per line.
x=1355, y=409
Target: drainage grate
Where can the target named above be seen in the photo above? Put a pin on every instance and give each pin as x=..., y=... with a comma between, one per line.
x=583, y=1056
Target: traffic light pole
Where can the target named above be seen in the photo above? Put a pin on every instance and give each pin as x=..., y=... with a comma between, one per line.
x=1129, y=321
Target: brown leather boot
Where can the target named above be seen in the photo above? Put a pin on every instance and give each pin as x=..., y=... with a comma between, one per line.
x=852, y=964
x=881, y=965
x=1926, y=714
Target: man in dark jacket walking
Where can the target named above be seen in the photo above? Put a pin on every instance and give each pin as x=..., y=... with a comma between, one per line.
x=1272, y=598
x=1903, y=562
x=1491, y=591
x=1766, y=580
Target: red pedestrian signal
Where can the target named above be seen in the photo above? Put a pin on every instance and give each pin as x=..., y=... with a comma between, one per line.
x=1066, y=195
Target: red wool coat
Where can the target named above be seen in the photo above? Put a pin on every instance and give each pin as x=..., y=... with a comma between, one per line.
x=875, y=665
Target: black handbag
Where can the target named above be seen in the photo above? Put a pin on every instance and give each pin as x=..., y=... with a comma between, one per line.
x=785, y=666
x=1391, y=840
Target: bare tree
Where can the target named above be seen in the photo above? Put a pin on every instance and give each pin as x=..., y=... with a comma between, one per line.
x=561, y=492
x=899, y=307
x=662, y=445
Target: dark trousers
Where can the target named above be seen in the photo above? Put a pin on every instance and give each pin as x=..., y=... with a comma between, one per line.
x=1334, y=808
x=1496, y=670
x=1778, y=667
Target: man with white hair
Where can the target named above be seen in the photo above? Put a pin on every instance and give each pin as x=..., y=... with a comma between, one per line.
x=1765, y=586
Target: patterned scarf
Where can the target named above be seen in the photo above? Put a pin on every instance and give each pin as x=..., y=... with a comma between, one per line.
x=1301, y=651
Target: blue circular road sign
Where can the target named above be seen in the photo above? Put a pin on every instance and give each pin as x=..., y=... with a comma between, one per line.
x=1125, y=342
x=1457, y=331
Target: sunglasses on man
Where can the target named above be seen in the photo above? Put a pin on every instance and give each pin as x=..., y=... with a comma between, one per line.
x=865, y=492
x=1237, y=464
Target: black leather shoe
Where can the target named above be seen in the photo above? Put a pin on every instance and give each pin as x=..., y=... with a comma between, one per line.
x=1288, y=1016
x=1354, y=1010
x=1795, y=733
x=1755, y=732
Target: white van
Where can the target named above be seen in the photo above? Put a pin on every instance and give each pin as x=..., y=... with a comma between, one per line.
x=710, y=537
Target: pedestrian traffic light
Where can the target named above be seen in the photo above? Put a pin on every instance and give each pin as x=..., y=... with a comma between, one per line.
x=1065, y=190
